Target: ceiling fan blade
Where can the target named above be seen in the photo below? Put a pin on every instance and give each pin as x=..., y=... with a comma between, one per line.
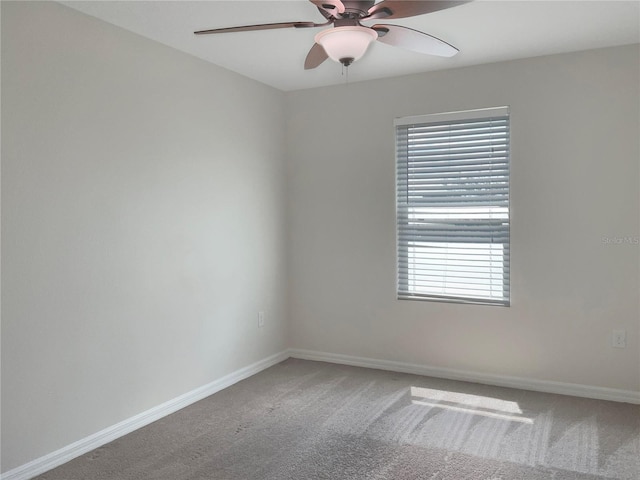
x=409, y=8
x=413, y=40
x=264, y=26
x=334, y=8
x=315, y=57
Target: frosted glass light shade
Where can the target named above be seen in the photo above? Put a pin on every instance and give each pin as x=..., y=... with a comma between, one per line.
x=346, y=42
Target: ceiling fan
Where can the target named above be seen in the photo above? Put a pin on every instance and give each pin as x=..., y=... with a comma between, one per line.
x=348, y=39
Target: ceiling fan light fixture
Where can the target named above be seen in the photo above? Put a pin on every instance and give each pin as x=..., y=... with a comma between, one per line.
x=346, y=44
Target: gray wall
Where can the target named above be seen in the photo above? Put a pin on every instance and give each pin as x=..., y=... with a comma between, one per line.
x=575, y=177
x=143, y=225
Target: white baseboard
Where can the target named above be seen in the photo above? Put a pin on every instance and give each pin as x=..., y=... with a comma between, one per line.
x=65, y=454
x=576, y=390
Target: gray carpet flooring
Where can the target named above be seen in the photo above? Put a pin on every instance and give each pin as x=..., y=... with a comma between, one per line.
x=313, y=420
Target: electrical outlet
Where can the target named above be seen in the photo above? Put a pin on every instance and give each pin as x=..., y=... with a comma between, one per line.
x=619, y=339
x=260, y=319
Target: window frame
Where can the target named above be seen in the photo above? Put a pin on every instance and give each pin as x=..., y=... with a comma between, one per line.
x=402, y=214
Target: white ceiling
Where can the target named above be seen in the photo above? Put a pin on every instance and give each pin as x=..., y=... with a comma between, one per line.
x=485, y=31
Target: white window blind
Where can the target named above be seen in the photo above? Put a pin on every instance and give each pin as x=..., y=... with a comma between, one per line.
x=453, y=206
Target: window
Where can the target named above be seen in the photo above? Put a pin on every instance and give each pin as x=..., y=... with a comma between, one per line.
x=452, y=200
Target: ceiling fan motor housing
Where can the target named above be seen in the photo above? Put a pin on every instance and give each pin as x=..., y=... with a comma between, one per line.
x=357, y=8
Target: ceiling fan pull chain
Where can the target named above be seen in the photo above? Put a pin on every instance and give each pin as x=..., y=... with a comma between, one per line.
x=345, y=68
